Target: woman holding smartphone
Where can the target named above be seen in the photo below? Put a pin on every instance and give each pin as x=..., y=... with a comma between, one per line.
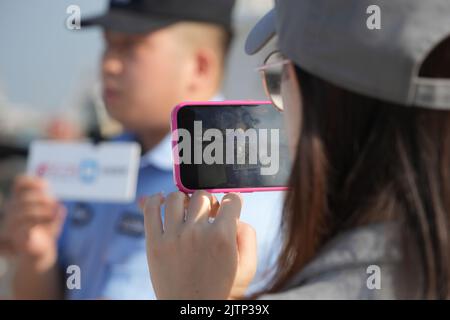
x=367, y=111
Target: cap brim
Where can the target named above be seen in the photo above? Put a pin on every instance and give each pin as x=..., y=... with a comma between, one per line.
x=261, y=33
x=127, y=22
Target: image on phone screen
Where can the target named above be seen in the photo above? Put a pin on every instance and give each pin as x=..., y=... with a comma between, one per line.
x=254, y=134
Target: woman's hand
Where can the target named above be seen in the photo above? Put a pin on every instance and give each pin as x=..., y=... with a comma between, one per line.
x=194, y=257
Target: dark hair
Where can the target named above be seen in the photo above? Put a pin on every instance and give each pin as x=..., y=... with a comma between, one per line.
x=361, y=160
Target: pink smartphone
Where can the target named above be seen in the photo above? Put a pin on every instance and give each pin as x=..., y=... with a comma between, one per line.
x=229, y=146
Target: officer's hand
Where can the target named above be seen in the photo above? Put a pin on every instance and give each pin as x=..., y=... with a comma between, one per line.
x=33, y=219
x=195, y=258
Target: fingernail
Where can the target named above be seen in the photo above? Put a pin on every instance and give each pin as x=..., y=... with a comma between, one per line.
x=156, y=198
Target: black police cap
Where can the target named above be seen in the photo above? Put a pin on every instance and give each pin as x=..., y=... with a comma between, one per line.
x=143, y=16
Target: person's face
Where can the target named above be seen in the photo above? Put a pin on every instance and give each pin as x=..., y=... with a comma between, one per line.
x=281, y=85
x=144, y=77
x=290, y=93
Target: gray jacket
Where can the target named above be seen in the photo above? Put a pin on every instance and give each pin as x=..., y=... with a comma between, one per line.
x=362, y=263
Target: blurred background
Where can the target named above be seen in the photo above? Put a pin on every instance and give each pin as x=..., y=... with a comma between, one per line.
x=49, y=83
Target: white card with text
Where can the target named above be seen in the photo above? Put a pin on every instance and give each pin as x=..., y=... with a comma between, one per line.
x=104, y=172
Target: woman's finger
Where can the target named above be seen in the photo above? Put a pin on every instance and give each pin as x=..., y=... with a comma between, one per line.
x=199, y=207
x=152, y=217
x=175, y=206
x=248, y=253
x=230, y=209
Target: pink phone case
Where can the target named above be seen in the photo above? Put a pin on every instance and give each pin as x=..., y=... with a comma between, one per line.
x=176, y=167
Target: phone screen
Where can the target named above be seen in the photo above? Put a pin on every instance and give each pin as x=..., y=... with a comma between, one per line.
x=232, y=147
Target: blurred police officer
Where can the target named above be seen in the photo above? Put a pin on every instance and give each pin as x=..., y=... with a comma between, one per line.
x=158, y=53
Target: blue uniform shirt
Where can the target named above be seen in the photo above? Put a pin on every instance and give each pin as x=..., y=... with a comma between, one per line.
x=107, y=242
